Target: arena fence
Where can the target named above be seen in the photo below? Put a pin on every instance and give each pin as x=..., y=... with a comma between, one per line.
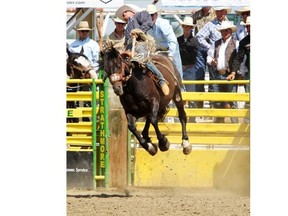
x=220, y=155
x=87, y=141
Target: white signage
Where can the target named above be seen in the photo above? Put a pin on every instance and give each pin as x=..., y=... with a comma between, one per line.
x=192, y=3
x=94, y=3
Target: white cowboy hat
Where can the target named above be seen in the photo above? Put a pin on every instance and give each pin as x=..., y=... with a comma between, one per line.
x=247, y=21
x=151, y=9
x=83, y=26
x=117, y=20
x=227, y=25
x=188, y=21
x=244, y=9
x=127, y=7
x=228, y=9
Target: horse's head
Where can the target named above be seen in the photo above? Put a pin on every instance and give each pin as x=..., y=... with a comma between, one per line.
x=78, y=65
x=116, y=68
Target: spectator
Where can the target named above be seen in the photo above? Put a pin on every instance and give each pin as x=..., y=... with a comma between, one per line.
x=241, y=29
x=165, y=37
x=239, y=35
x=188, y=52
x=91, y=48
x=206, y=37
x=117, y=37
x=220, y=56
x=243, y=50
x=202, y=16
x=137, y=19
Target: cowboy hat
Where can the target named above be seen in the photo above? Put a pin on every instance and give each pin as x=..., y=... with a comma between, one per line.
x=83, y=26
x=188, y=21
x=227, y=25
x=247, y=21
x=244, y=9
x=151, y=9
x=127, y=7
x=117, y=20
x=228, y=9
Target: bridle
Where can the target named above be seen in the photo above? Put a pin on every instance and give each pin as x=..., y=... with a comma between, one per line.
x=120, y=76
x=83, y=70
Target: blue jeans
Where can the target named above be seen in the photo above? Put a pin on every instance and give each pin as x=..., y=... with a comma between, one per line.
x=224, y=88
x=200, y=67
x=190, y=74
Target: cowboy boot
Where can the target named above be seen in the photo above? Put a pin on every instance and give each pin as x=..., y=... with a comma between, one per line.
x=162, y=82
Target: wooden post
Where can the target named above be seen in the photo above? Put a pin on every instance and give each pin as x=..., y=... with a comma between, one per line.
x=99, y=25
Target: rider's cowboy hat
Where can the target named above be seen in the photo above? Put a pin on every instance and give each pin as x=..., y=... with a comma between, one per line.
x=227, y=25
x=127, y=7
x=188, y=21
x=228, y=9
x=244, y=9
x=151, y=9
x=83, y=26
x=117, y=20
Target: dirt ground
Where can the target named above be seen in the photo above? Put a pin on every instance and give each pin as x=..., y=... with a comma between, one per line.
x=135, y=201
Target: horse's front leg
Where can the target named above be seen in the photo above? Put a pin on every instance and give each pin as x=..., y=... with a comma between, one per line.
x=187, y=147
x=163, y=142
x=146, y=144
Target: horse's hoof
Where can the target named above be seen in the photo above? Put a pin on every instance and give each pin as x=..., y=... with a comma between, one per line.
x=187, y=147
x=152, y=149
x=187, y=150
x=164, y=144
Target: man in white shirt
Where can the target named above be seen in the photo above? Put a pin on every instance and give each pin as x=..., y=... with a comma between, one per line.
x=220, y=57
x=91, y=48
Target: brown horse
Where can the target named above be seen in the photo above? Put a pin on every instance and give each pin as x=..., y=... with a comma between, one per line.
x=78, y=66
x=141, y=97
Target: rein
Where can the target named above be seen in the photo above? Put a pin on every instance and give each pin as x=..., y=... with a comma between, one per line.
x=167, y=69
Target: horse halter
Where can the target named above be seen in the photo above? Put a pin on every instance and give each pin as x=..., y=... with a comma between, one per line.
x=82, y=69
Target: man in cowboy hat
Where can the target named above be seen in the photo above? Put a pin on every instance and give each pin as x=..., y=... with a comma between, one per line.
x=165, y=37
x=203, y=16
x=188, y=51
x=241, y=32
x=91, y=51
x=243, y=51
x=244, y=12
x=206, y=37
x=137, y=19
x=117, y=37
x=91, y=48
x=220, y=56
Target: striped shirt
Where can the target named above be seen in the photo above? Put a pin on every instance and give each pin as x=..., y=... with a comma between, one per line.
x=209, y=34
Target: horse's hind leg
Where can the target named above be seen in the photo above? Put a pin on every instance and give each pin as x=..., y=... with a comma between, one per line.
x=177, y=98
x=148, y=146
